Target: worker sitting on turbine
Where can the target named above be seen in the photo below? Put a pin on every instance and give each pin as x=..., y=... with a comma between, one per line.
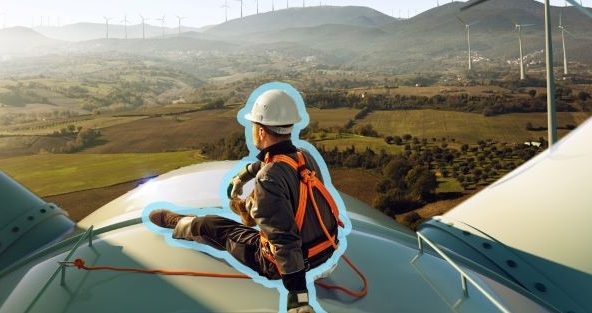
x=297, y=217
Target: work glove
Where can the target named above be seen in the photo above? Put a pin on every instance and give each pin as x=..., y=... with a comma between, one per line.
x=298, y=302
x=235, y=188
x=242, y=207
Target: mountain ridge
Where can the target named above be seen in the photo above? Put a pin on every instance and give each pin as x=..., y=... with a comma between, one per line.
x=348, y=36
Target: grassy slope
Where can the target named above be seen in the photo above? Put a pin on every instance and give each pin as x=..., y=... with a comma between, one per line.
x=142, y=142
x=52, y=174
x=466, y=127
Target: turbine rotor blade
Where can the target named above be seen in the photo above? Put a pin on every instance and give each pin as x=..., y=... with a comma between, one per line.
x=563, y=29
x=579, y=7
x=572, y=2
x=468, y=6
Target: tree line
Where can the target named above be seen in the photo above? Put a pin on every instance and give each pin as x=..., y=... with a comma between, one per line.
x=489, y=104
x=408, y=180
x=76, y=138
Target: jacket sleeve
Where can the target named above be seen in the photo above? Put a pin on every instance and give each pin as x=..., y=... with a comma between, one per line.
x=249, y=171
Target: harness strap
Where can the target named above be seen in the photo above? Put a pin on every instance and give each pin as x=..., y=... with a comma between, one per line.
x=308, y=182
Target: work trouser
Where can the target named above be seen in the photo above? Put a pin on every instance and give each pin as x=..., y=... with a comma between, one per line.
x=241, y=241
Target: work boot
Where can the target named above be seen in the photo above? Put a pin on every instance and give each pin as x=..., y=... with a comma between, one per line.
x=165, y=218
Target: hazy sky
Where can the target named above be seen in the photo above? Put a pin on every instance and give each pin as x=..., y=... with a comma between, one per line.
x=194, y=13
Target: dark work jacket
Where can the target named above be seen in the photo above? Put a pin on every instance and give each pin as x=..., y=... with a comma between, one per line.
x=277, y=187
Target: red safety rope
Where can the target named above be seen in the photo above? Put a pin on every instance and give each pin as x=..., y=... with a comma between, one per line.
x=80, y=264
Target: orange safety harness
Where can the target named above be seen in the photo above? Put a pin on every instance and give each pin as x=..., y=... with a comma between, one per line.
x=308, y=182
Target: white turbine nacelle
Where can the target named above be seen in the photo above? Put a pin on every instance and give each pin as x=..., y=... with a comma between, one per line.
x=532, y=226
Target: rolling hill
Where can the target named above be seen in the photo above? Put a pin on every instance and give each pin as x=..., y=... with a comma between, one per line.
x=356, y=37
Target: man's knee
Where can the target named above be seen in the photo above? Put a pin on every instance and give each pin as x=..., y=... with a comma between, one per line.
x=183, y=229
x=204, y=226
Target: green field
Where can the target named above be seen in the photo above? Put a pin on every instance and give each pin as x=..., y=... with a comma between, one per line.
x=467, y=127
x=52, y=174
x=331, y=117
x=126, y=155
x=47, y=128
x=359, y=142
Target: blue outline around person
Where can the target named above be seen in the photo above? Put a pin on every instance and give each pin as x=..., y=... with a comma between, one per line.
x=283, y=236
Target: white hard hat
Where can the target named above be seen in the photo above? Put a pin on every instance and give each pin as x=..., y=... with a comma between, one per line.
x=275, y=108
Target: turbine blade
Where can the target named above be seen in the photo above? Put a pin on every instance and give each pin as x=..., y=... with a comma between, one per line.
x=579, y=7
x=470, y=5
x=514, y=21
x=565, y=30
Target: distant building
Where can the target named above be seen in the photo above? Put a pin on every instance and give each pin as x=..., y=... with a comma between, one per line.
x=533, y=143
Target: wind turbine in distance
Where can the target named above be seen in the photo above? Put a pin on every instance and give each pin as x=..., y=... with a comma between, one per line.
x=107, y=19
x=468, y=28
x=257, y=2
x=180, y=18
x=551, y=120
x=143, y=27
x=225, y=7
x=162, y=23
x=519, y=28
x=125, y=25
x=241, y=1
x=563, y=30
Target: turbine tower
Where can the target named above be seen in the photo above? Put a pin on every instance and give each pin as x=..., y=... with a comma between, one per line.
x=107, y=19
x=563, y=30
x=468, y=28
x=257, y=2
x=225, y=7
x=143, y=27
x=518, y=27
x=241, y=1
x=180, y=18
x=125, y=25
x=162, y=23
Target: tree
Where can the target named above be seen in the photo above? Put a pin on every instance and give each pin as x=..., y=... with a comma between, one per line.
x=532, y=93
x=464, y=147
x=529, y=126
x=87, y=137
x=583, y=96
x=396, y=170
x=422, y=184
